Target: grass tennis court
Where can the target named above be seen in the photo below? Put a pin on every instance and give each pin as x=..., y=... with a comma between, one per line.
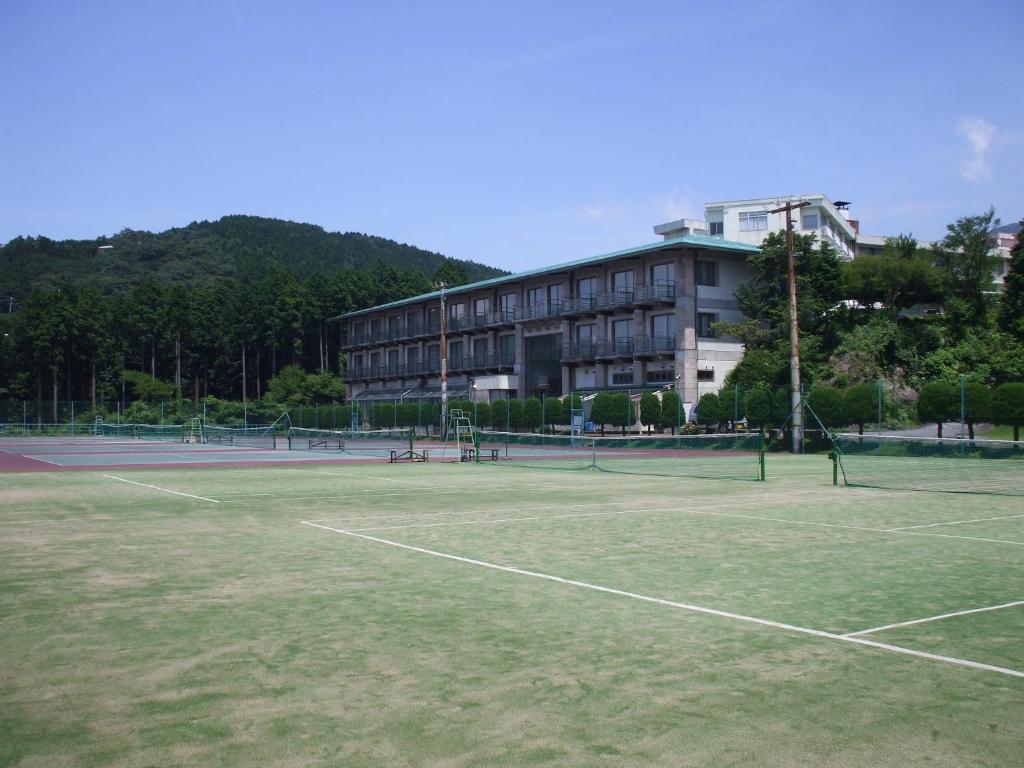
x=492, y=615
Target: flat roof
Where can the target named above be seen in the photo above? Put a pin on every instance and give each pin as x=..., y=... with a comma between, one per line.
x=698, y=241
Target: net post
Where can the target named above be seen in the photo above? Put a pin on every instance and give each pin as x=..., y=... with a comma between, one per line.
x=760, y=454
x=834, y=455
x=412, y=437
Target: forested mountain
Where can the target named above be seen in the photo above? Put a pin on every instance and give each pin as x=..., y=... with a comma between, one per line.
x=214, y=308
x=244, y=248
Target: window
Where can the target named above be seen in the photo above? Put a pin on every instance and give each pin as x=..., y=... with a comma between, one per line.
x=357, y=364
x=434, y=357
x=455, y=354
x=753, y=221
x=625, y=377
x=358, y=329
x=457, y=311
x=394, y=323
x=706, y=375
x=433, y=313
x=663, y=274
x=704, y=322
x=509, y=301
x=587, y=287
x=481, y=307
x=622, y=330
x=584, y=333
x=555, y=297
x=507, y=347
x=376, y=329
x=534, y=297
x=392, y=362
x=809, y=221
x=660, y=377
x=412, y=323
x=622, y=281
x=480, y=352
x=663, y=329
x=716, y=228
x=374, y=362
x=707, y=273
x=412, y=361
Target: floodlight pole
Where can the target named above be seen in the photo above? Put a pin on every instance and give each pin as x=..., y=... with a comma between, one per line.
x=443, y=352
x=796, y=403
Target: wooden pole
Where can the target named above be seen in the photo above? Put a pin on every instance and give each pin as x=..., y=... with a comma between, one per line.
x=796, y=404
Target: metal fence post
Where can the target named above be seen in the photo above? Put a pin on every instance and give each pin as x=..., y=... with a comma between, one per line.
x=735, y=406
x=879, y=406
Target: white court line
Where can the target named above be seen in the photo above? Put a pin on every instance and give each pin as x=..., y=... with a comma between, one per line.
x=165, y=490
x=674, y=604
x=385, y=518
x=956, y=522
x=699, y=509
x=361, y=493
x=492, y=521
x=933, y=618
x=37, y=458
x=968, y=538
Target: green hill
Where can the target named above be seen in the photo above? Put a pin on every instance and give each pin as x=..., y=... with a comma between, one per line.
x=241, y=247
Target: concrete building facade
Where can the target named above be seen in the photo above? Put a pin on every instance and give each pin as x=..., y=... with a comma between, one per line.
x=638, y=318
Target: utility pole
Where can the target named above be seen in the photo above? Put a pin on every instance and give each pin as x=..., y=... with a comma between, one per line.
x=443, y=351
x=796, y=404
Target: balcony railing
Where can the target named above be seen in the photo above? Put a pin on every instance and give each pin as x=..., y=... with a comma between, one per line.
x=607, y=302
x=661, y=291
x=641, y=346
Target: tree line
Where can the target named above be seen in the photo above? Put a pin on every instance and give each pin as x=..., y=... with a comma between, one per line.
x=907, y=317
x=227, y=339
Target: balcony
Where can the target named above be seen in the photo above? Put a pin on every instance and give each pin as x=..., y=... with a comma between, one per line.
x=579, y=351
x=497, y=318
x=610, y=301
x=662, y=292
x=533, y=312
x=580, y=305
x=615, y=349
x=655, y=346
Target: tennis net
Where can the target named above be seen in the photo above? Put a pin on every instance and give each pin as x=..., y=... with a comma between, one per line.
x=242, y=437
x=953, y=465
x=719, y=456
x=371, y=442
x=172, y=432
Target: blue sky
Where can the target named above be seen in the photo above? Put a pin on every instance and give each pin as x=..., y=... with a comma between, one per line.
x=516, y=134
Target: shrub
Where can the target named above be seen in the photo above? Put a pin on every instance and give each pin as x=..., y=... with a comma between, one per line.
x=827, y=404
x=861, y=404
x=758, y=407
x=938, y=402
x=601, y=410
x=709, y=411
x=1008, y=406
x=650, y=410
x=532, y=413
x=672, y=415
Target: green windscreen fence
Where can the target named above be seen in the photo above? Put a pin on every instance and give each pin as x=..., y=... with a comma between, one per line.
x=931, y=464
x=731, y=457
x=373, y=443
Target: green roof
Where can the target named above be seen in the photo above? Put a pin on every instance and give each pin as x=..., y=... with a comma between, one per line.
x=700, y=241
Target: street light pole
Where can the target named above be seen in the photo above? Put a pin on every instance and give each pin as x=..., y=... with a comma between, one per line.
x=443, y=352
x=796, y=404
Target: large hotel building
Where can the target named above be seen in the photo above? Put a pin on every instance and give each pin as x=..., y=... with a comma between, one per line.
x=642, y=318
